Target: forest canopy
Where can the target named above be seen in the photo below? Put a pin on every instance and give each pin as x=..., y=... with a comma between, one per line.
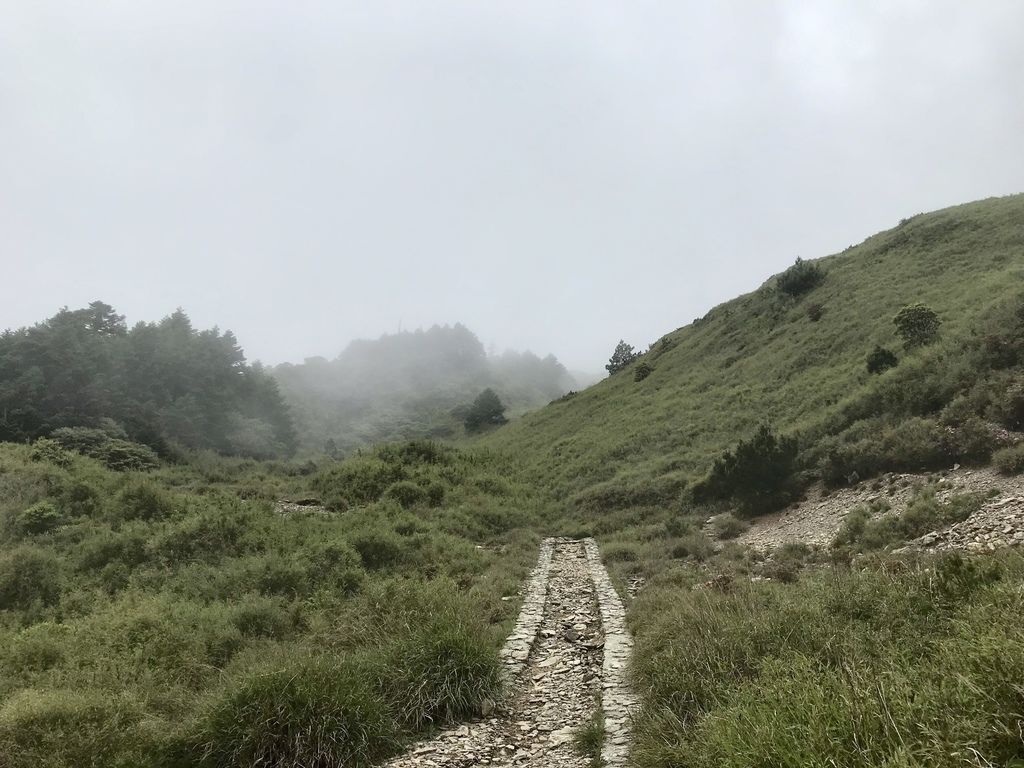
x=164, y=384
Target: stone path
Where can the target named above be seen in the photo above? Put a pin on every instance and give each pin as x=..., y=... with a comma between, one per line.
x=565, y=657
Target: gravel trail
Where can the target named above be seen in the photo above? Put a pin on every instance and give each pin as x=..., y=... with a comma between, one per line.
x=555, y=665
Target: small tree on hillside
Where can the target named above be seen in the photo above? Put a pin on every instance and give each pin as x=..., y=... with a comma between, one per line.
x=758, y=473
x=487, y=411
x=621, y=357
x=917, y=325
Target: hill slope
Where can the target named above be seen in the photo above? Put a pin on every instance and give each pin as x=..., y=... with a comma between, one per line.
x=762, y=357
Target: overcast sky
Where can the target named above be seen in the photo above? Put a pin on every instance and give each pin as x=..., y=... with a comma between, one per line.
x=554, y=174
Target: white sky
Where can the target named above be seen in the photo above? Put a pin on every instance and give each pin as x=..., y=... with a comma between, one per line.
x=556, y=175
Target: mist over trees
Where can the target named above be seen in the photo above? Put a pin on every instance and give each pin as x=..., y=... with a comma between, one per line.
x=411, y=384
x=164, y=384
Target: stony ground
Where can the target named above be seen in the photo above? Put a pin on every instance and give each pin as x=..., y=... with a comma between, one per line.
x=816, y=521
x=553, y=694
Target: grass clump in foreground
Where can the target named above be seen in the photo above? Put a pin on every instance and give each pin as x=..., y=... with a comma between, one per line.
x=589, y=739
x=174, y=618
x=901, y=663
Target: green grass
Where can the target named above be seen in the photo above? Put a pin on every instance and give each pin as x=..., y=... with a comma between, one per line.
x=173, y=617
x=908, y=664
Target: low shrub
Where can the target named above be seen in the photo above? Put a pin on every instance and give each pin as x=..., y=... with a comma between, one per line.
x=260, y=616
x=41, y=517
x=336, y=565
x=869, y=528
x=1010, y=461
x=815, y=312
x=379, y=548
x=305, y=712
x=406, y=493
x=620, y=552
x=624, y=493
x=68, y=729
x=589, y=739
x=277, y=574
x=143, y=500
x=881, y=359
x=114, y=451
x=29, y=575
x=800, y=278
x=845, y=667
x=39, y=646
x=695, y=545
x=728, y=526
x=642, y=371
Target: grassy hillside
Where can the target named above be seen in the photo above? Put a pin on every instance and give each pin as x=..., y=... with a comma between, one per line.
x=764, y=358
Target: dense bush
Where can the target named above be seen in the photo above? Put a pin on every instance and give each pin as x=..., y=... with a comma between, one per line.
x=881, y=359
x=912, y=445
x=406, y=493
x=115, y=452
x=1010, y=461
x=1008, y=407
x=45, y=449
x=144, y=500
x=800, y=278
x=759, y=473
x=41, y=517
x=360, y=480
x=642, y=371
x=29, y=575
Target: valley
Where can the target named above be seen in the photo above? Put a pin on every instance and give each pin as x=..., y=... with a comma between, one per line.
x=787, y=533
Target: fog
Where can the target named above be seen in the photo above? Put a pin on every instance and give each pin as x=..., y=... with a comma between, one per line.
x=553, y=175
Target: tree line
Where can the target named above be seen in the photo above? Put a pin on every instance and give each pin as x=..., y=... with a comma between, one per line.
x=164, y=384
